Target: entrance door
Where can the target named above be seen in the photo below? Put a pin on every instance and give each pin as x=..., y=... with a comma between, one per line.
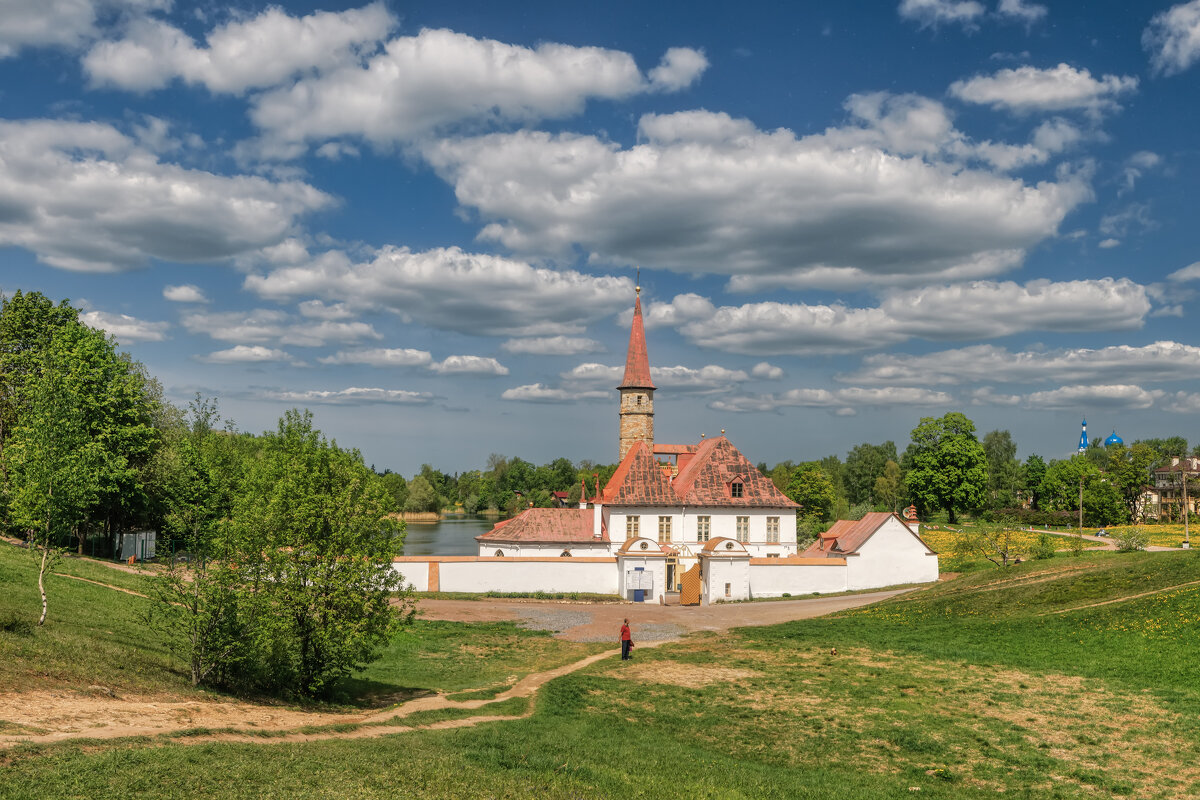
x=672, y=583
x=689, y=595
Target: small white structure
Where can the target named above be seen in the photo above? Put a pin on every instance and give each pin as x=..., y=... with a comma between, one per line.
x=135, y=544
x=879, y=550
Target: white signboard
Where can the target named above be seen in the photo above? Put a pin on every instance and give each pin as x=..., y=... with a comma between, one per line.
x=639, y=579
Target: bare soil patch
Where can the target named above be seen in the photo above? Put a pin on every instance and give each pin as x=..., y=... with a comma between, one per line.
x=690, y=676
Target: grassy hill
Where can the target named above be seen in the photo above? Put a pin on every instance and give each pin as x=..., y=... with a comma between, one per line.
x=1030, y=681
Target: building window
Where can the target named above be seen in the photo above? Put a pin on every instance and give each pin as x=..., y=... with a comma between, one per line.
x=499, y=554
x=565, y=554
x=703, y=526
x=728, y=588
x=664, y=529
x=631, y=527
x=736, y=489
x=772, y=530
x=743, y=529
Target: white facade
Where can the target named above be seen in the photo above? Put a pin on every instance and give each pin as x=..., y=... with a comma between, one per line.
x=768, y=531
x=472, y=574
x=892, y=556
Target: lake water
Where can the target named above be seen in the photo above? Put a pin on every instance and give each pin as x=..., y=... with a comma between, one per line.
x=453, y=536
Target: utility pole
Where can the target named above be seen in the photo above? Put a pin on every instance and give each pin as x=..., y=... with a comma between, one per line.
x=1081, y=505
x=1187, y=542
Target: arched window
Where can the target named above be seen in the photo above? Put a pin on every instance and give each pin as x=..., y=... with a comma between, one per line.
x=499, y=554
x=565, y=554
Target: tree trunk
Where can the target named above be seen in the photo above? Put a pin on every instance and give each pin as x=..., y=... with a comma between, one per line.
x=42, y=582
x=952, y=520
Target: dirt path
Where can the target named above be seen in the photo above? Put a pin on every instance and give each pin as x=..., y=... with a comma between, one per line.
x=1122, y=599
x=57, y=716
x=98, y=583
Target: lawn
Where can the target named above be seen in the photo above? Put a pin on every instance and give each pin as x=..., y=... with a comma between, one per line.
x=1002, y=681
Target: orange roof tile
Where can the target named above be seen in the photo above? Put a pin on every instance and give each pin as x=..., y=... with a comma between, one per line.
x=637, y=363
x=557, y=525
x=847, y=535
x=705, y=479
x=639, y=481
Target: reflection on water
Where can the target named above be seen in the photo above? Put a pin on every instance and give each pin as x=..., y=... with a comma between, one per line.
x=453, y=536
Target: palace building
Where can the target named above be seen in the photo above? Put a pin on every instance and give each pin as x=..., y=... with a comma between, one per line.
x=693, y=523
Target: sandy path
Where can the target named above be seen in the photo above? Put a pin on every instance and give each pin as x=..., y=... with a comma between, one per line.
x=50, y=717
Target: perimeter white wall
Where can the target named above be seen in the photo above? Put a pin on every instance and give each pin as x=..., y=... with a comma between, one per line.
x=598, y=576
x=721, y=571
x=775, y=580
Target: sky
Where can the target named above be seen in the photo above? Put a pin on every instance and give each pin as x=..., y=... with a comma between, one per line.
x=425, y=221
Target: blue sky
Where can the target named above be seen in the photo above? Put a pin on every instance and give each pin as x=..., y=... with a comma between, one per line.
x=423, y=220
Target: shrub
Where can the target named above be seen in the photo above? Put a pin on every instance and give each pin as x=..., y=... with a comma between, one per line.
x=1044, y=548
x=1130, y=539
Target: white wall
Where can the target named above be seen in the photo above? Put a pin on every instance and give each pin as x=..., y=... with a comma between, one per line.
x=723, y=522
x=891, y=556
x=775, y=580
x=657, y=567
x=535, y=549
x=513, y=575
x=720, y=571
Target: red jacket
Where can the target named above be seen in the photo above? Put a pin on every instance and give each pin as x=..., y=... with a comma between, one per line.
x=625, y=637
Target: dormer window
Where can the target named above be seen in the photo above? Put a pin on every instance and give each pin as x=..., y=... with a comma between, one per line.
x=737, y=488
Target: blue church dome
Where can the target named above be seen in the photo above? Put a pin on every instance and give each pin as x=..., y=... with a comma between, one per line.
x=1113, y=439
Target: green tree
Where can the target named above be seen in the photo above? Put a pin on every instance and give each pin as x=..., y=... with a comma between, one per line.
x=864, y=465
x=1033, y=471
x=1004, y=471
x=421, y=496
x=812, y=489
x=1103, y=504
x=397, y=487
x=1129, y=471
x=949, y=466
x=54, y=463
x=889, y=485
x=317, y=544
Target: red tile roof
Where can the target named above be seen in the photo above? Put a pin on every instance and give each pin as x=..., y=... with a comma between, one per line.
x=640, y=481
x=557, y=525
x=847, y=535
x=705, y=479
x=637, y=363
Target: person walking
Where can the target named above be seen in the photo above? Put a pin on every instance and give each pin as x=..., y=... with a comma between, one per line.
x=626, y=641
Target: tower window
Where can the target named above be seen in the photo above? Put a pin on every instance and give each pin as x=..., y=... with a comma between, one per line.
x=736, y=489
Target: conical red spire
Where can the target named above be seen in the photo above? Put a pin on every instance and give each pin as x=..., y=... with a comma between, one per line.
x=637, y=363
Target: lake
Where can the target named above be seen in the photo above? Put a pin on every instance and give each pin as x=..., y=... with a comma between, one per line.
x=453, y=536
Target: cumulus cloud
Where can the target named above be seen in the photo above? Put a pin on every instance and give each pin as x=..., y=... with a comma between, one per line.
x=241, y=54
x=352, y=396
x=1160, y=361
x=975, y=310
x=272, y=326
x=1189, y=273
x=424, y=83
x=765, y=371
x=1173, y=38
x=61, y=23
x=187, y=293
x=1182, y=402
x=83, y=196
x=931, y=13
x=540, y=393
x=1069, y=398
x=1021, y=10
x=246, y=354
x=449, y=289
x=840, y=400
x=679, y=378
x=552, y=346
x=381, y=357
x=124, y=328
x=1029, y=89
x=468, y=365
x=703, y=192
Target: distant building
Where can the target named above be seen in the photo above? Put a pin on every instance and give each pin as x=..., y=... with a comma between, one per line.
x=1083, y=440
x=1169, y=484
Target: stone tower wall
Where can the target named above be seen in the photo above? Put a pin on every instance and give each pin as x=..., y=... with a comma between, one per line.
x=637, y=418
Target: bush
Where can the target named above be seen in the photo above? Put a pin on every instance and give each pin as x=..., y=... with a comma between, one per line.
x=1044, y=547
x=1130, y=539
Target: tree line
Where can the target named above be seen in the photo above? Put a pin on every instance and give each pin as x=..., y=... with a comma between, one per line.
x=283, y=581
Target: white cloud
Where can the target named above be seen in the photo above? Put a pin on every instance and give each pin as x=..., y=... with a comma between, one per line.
x=980, y=309
x=765, y=371
x=246, y=354
x=987, y=396
x=468, y=365
x=425, y=83
x=60, y=23
x=931, y=13
x=241, y=54
x=124, y=328
x=680, y=68
x=1029, y=89
x=1136, y=166
x=1021, y=10
x=1173, y=38
x=703, y=192
x=839, y=400
x=315, y=309
x=85, y=197
x=1183, y=403
x=381, y=357
x=679, y=378
x=1189, y=273
x=187, y=293
x=1133, y=219
x=353, y=396
x=552, y=346
x=1108, y=244
x=450, y=289
x=539, y=393
x=269, y=325
x=1069, y=398
x=1160, y=361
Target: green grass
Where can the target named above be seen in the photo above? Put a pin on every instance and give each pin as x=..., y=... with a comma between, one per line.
x=964, y=690
x=584, y=597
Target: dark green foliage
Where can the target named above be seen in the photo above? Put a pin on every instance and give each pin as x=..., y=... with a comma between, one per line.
x=949, y=467
x=811, y=487
x=864, y=466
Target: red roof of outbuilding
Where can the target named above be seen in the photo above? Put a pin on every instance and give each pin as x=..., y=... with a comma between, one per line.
x=847, y=535
x=637, y=363
x=546, y=525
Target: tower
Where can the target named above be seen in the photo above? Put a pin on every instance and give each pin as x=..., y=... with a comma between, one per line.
x=1083, y=440
x=637, y=390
